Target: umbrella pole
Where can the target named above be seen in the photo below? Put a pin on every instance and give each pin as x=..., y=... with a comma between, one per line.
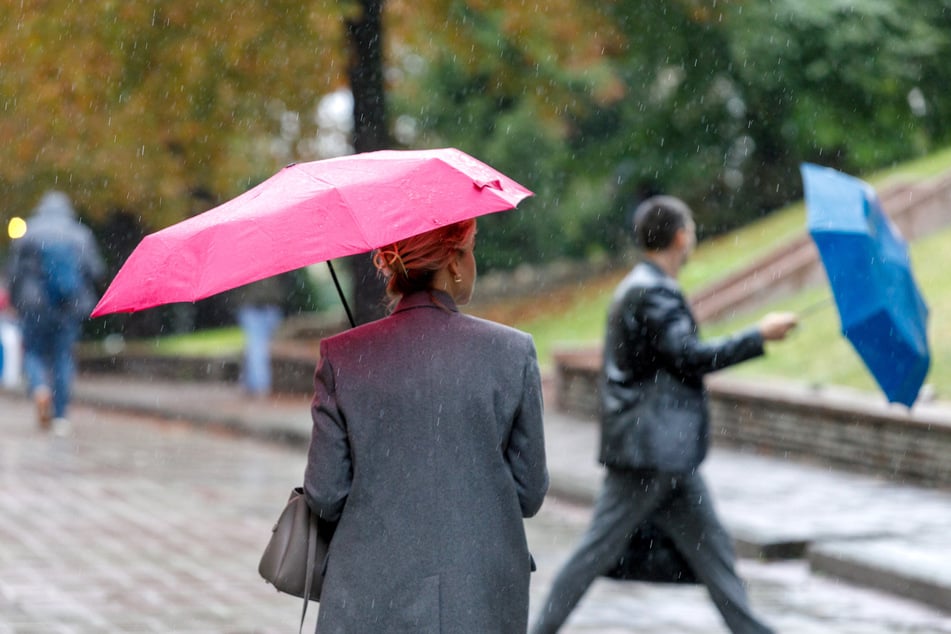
x=815, y=307
x=343, y=298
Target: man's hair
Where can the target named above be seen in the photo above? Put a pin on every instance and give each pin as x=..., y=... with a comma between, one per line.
x=657, y=220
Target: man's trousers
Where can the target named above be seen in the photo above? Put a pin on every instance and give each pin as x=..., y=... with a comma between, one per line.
x=680, y=505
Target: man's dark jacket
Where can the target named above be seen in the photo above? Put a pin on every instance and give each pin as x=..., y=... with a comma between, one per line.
x=653, y=403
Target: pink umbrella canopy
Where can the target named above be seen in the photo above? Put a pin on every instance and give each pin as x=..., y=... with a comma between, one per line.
x=305, y=214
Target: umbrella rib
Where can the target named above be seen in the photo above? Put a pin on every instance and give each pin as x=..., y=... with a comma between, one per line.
x=346, y=205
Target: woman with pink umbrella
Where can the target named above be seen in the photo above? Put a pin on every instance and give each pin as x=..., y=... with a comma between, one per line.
x=428, y=451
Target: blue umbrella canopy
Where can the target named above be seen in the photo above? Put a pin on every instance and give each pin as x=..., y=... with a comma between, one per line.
x=881, y=309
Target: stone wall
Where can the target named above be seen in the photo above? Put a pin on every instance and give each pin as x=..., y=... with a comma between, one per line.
x=176, y=368
x=838, y=427
x=291, y=373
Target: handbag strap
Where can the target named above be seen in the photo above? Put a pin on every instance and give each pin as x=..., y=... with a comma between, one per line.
x=311, y=564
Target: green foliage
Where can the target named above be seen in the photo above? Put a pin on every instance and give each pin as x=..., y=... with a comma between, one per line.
x=305, y=294
x=499, y=85
x=161, y=108
x=715, y=102
x=465, y=111
x=152, y=107
x=834, y=79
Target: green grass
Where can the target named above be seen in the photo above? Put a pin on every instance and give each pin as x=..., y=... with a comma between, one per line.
x=924, y=167
x=210, y=342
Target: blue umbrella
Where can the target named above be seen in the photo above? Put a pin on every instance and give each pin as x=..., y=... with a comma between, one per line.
x=866, y=260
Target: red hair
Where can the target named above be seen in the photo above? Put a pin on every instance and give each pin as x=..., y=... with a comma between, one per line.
x=411, y=264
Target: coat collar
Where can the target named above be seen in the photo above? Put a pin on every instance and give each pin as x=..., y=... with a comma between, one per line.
x=659, y=275
x=655, y=268
x=427, y=299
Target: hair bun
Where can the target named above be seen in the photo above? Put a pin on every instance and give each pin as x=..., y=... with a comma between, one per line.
x=388, y=261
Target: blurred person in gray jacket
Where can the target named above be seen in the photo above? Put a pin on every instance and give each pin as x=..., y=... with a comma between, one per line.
x=52, y=272
x=428, y=451
x=655, y=425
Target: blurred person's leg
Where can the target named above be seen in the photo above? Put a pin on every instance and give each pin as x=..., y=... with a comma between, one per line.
x=691, y=522
x=63, y=364
x=36, y=342
x=258, y=324
x=626, y=499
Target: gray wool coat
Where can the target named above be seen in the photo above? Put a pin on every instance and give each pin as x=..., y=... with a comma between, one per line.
x=428, y=446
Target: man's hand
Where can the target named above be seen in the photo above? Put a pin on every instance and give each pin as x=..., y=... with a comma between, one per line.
x=774, y=326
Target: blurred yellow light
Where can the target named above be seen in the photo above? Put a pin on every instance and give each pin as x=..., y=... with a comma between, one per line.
x=16, y=228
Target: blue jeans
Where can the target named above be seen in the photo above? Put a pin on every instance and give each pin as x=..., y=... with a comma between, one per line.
x=258, y=324
x=48, y=341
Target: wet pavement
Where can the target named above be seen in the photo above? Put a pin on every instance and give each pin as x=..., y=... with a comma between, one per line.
x=131, y=526
x=139, y=522
x=787, y=594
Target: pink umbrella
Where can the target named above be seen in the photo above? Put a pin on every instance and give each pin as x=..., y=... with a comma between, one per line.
x=304, y=214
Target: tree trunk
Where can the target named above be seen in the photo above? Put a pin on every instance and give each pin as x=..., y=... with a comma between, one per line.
x=365, y=72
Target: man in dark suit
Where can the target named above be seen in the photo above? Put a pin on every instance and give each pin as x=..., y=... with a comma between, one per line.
x=654, y=425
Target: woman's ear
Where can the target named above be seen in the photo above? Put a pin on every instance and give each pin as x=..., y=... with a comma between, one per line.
x=453, y=266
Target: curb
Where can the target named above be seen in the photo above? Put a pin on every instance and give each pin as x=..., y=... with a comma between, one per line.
x=830, y=559
x=229, y=424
